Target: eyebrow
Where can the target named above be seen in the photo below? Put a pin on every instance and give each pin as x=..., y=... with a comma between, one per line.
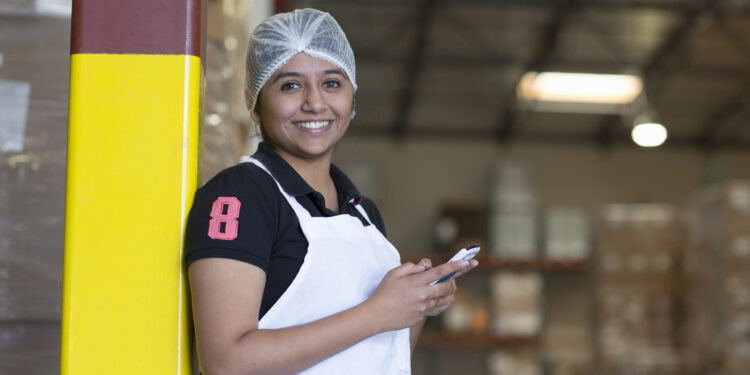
x=295, y=74
x=285, y=74
x=335, y=71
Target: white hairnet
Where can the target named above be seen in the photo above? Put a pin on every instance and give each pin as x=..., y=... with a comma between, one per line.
x=281, y=36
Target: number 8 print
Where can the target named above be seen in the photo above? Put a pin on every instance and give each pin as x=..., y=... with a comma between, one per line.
x=229, y=219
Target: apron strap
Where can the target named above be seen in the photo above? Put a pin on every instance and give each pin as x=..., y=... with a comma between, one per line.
x=298, y=209
x=355, y=202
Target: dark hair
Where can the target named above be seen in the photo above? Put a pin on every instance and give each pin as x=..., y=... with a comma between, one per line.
x=263, y=133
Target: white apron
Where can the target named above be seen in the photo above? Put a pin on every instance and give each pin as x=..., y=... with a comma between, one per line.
x=345, y=262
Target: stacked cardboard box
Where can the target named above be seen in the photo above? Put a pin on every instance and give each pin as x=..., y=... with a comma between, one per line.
x=34, y=66
x=567, y=348
x=638, y=289
x=567, y=233
x=521, y=362
x=719, y=269
x=516, y=303
x=568, y=363
x=513, y=227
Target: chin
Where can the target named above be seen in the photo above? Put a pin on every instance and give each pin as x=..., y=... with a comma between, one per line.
x=312, y=151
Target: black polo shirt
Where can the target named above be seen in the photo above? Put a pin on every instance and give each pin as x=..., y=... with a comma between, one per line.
x=240, y=214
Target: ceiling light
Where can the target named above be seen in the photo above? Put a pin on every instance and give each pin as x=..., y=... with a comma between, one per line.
x=649, y=134
x=579, y=92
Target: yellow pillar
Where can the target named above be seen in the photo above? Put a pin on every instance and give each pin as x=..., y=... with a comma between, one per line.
x=135, y=117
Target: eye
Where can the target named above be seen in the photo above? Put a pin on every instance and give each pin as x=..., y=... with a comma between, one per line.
x=288, y=86
x=331, y=84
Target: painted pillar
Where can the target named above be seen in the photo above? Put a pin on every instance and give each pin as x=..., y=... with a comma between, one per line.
x=136, y=81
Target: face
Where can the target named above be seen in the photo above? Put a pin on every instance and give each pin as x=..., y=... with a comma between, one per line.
x=305, y=107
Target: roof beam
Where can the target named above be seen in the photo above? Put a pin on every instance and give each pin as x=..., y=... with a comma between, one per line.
x=735, y=38
x=414, y=62
x=378, y=50
x=471, y=35
x=546, y=48
x=365, y=56
x=689, y=143
x=727, y=112
x=661, y=64
x=616, y=5
x=722, y=116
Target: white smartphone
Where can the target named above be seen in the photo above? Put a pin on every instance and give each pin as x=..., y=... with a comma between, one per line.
x=466, y=253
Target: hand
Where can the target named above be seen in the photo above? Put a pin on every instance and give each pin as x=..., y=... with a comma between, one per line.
x=405, y=295
x=444, y=302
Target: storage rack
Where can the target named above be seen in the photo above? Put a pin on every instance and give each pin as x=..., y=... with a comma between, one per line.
x=432, y=342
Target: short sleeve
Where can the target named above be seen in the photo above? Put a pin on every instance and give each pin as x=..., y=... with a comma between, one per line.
x=234, y=216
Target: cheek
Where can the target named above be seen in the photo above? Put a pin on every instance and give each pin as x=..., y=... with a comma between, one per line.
x=281, y=110
x=343, y=104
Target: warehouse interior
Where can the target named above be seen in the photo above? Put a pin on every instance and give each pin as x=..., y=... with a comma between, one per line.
x=599, y=256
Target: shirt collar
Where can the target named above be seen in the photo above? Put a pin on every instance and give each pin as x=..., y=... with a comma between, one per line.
x=292, y=182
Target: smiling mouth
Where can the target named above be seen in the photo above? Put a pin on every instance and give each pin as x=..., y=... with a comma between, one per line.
x=312, y=124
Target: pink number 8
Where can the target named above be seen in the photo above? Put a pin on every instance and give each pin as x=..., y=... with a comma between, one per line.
x=229, y=219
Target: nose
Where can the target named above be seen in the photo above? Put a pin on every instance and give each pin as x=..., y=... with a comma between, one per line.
x=314, y=101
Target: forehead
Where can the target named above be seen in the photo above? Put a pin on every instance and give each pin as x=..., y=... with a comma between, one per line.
x=305, y=64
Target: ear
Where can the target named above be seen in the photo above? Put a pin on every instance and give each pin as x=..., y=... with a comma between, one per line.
x=254, y=115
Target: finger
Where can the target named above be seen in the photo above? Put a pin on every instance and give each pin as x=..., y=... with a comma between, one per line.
x=406, y=269
x=442, y=301
x=443, y=289
x=440, y=307
x=442, y=270
x=438, y=310
x=447, y=288
x=472, y=264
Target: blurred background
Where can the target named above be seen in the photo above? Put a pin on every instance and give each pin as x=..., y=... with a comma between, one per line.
x=612, y=205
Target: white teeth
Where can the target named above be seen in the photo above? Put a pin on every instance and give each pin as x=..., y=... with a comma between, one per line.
x=312, y=125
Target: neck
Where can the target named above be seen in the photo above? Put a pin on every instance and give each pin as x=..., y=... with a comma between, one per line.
x=316, y=172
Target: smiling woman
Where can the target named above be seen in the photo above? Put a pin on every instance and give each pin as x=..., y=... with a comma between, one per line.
x=290, y=270
x=306, y=108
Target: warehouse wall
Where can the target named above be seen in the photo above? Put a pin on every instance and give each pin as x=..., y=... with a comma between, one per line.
x=410, y=179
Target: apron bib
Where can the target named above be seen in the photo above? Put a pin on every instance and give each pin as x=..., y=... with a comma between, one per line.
x=345, y=262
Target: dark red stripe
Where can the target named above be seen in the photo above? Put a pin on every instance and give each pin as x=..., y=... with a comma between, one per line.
x=163, y=27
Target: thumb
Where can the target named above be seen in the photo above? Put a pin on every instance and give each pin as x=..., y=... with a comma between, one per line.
x=425, y=263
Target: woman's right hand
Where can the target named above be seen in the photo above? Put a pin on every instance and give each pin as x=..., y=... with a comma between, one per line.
x=405, y=295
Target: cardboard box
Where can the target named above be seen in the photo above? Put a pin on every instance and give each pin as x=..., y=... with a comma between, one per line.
x=567, y=233
x=512, y=230
x=515, y=362
x=639, y=288
x=516, y=303
x=35, y=55
x=718, y=299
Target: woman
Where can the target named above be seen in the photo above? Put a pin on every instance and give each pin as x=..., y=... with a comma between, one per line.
x=289, y=268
